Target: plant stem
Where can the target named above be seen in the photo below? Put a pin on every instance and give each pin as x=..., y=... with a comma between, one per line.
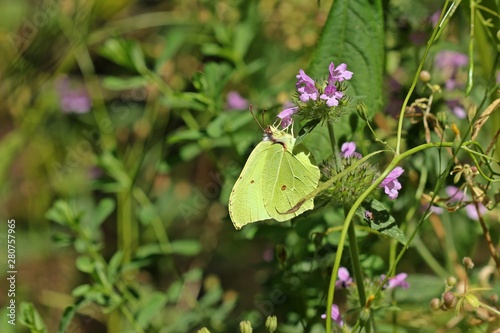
x=335, y=148
x=356, y=265
x=397, y=159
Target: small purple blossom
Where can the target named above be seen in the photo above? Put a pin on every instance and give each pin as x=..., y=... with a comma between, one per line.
x=451, y=59
x=344, y=279
x=286, y=116
x=338, y=74
x=396, y=281
x=335, y=313
x=436, y=210
x=306, y=87
x=71, y=99
x=457, y=108
x=331, y=96
x=234, y=101
x=449, y=62
x=348, y=149
x=435, y=18
x=456, y=195
x=472, y=212
x=391, y=184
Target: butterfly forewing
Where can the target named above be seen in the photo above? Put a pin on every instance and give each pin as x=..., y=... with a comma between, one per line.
x=289, y=180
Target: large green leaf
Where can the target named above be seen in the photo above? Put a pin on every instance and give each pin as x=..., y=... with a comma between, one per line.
x=354, y=34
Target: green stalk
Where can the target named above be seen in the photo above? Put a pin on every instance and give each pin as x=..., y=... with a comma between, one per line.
x=353, y=245
x=397, y=159
x=335, y=148
x=356, y=265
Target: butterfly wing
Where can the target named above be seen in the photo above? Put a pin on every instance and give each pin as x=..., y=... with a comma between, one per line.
x=288, y=179
x=246, y=203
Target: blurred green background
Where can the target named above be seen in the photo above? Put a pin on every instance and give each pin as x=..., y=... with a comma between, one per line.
x=120, y=143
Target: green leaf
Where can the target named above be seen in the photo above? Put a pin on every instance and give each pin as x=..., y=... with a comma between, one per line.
x=30, y=318
x=85, y=264
x=114, y=265
x=60, y=213
x=68, y=315
x=380, y=220
x=228, y=122
x=104, y=209
x=175, y=39
x=81, y=290
x=121, y=83
x=137, y=57
x=354, y=34
x=184, y=135
x=186, y=247
x=151, y=308
x=148, y=251
x=118, y=50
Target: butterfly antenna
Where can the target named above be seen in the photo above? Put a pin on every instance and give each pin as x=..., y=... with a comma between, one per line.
x=254, y=117
x=263, y=113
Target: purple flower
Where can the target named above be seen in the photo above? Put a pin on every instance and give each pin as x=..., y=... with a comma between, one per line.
x=306, y=87
x=435, y=18
x=436, y=210
x=447, y=59
x=456, y=195
x=335, y=315
x=457, y=108
x=338, y=74
x=234, y=101
x=348, y=149
x=331, y=96
x=71, y=99
x=391, y=184
x=286, y=116
x=396, y=281
x=449, y=62
x=344, y=279
x=472, y=211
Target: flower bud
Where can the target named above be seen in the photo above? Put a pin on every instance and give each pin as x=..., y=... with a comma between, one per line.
x=451, y=281
x=449, y=300
x=271, y=323
x=435, y=304
x=364, y=315
x=361, y=110
x=245, y=326
x=425, y=76
x=351, y=185
x=469, y=264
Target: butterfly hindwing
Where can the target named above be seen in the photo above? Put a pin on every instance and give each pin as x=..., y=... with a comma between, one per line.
x=246, y=203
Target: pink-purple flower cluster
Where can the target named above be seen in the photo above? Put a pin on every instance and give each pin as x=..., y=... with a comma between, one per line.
x=308, y=90
x=345, y=280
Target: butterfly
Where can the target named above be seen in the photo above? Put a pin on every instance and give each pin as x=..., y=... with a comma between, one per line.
x=272, y=181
